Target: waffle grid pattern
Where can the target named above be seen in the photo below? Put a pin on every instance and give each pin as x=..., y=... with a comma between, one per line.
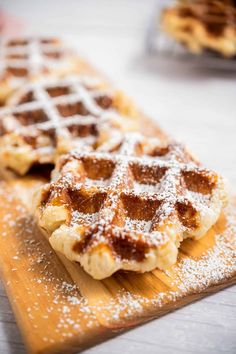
x=25, y=57
x=129, y=200
x=215, y=15
x=203, y=25
x=46, y=113
x=150, y=180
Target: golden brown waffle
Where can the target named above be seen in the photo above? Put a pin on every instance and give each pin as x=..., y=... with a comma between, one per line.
x=128, y=208
x=23, y=59
x=50, y=117
x=203, y=24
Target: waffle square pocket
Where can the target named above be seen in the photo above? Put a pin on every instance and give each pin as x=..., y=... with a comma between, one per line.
x=129, y=208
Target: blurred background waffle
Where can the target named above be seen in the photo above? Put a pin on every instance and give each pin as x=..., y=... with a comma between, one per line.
x=200, y=33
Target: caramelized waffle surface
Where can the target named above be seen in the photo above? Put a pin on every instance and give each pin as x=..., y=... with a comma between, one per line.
x=128, y=208
x=203, y=24
x=50, y=117
x=23, y=59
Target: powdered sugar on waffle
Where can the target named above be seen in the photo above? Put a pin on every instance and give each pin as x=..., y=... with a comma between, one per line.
x=51, y=293
x=50, y=117
x=167, y=189
x=31, y=55
x=189, y=276
x=114, y=213
x=81, y=89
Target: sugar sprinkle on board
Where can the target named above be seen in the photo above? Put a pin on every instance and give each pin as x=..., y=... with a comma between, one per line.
x=59, y=307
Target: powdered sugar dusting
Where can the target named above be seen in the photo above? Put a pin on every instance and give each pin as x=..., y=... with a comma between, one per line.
x=189, y=276
x=139, y=225
x=56, y=115
x=79, y=218
x=49, y=291
x=31, y=56
x=137, y=190
x=216, y=265
x=51, y=295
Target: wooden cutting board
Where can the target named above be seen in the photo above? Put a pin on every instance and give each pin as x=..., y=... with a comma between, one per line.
x=61, y=309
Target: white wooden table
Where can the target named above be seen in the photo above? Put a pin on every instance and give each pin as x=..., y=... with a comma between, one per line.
x=196, y=106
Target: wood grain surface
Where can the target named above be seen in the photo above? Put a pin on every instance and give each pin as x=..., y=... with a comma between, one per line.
x=197, y=106
x=59, y=308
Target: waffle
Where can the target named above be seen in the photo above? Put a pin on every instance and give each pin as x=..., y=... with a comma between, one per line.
x=128, y=208
x=203, y=25
x=23, y=59
x=50, y=117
